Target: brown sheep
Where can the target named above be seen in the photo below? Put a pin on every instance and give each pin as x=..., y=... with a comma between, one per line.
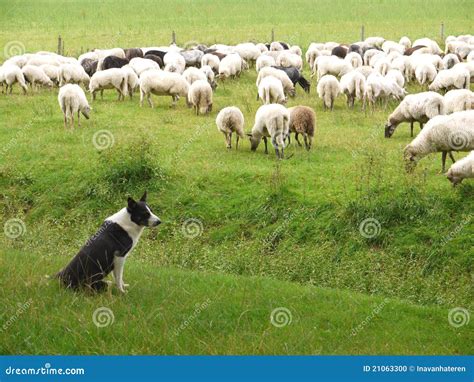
x=302, y=121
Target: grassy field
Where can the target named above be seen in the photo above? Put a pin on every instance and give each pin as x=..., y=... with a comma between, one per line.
x=242, y=232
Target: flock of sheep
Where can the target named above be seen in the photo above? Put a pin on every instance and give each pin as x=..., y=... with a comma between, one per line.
x=371, y=71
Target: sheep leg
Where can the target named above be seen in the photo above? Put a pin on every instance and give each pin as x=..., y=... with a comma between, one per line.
x=266, y=144
x=443, y=161
x=421, y=126
x=229, y=140
x=297, y=140
x=65, y=120
x=306, y=141
x=102, y=94
x=411, y=129
x=148, y=97
x=237, y=142
x=452, y=157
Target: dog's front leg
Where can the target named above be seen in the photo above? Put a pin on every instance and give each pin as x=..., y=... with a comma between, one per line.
x=119, y=263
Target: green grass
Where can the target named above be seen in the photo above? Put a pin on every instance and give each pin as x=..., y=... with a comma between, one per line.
x=267, y=226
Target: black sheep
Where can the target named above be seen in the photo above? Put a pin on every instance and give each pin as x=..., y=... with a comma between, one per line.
x=113, y=62
x=89, y=65
x=155, y=58
x=296, y=77
x=158, y=53
x=339, y=51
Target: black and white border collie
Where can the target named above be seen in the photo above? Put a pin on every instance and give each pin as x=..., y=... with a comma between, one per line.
x=107, y=250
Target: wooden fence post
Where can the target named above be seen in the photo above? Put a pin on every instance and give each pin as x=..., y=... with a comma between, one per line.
x=173, y=37
x=362, y=33
x=442, y=31
x=273, y=35
x=59, y=44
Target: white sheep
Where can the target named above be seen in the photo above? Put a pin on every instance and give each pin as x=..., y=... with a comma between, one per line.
x=35, y=75
x=328, y=90
x=114, y=78
x=263, y=61
x=211, y=60
x=296, y=50
x=248, y=51
x=72, y=100
x=406, y=42
x=40, y=59
x=200, y=96
x=396, y=76
x=425, y=73
x=271, y=121
x=469, y=66
x=174, y=60
x=419, y=107
x=353, y=86
x=391, y=46
x=19, y=61
x=12, y=74
x=331, y=65
x=193, y=74
x=52, y=72
x=276, y=46
x=458, y=100
x=162, y=83
x=354, y=59
x=287, y=59
x=462, y=169
x=382, y=66
x=470, y=57
x=379, y=87
x=311, y=54
x=209, y=73
x=270, y=90
x=262, y=47
x=450, y=60
x=288, y=86
x=444, y=133
x=230, y=66
x=374, y=42
x=231, y=120
x=140, y=65
x=132, y=79
x=365, y=70
x=430, y=44
x=73, y=74
x=456, y=77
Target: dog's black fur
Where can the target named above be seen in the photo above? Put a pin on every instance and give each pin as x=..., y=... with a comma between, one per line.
x=95, y=259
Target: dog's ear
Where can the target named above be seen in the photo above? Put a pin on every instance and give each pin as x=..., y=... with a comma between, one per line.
x=131, y=203
x=143, y=198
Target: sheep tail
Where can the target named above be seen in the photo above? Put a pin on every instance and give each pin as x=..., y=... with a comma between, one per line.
x=124, y=86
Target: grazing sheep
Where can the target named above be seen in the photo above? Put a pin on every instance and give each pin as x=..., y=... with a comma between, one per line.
x=287, y=60
x=374, y=42
x=379, y=87
x=331, y=65
x=458, y=100
x=339, y=51
x=200, y=96
x=270, y=90
x=288, y=86
x=192, y=57
x=392, y=46
x=425, y=73
x=418, y=107
x=110, y=62
x=162, y=83
x=312, y=54
x=52, y=72
x=211, y=60
x=109, y=79
x=444, y=133
x=193, y=74
x=132, y=79
x=132, y=53
x=72, y=100
x=175, y=60
x=230, y=66
x=365, y=70
x=154, y=58
x=396, y=76
x=35, y=75
x=231, y=120
x=140, y=65
x=406, y=42
x=262, y=47
x=12, y=74
x=354, y=59
x=353, y=86
x=302, y=121
x=431, y=44
x=89, y=65
x=469, y=66
x=40, y=59
x=461, y=170
x=276, y=46
x=271, y=121
x=19, y=61
x=248, y=51
x=73, y=74
x=450, y=60
x=457, y=77
x=296, y=50
x=209, y=73
x=263, y=61
x=382, y=66
x=328, y=90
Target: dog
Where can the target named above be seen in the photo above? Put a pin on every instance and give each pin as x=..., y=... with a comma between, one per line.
x=107, y=250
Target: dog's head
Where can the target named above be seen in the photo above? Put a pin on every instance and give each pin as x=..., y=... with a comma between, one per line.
x=140, y=213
